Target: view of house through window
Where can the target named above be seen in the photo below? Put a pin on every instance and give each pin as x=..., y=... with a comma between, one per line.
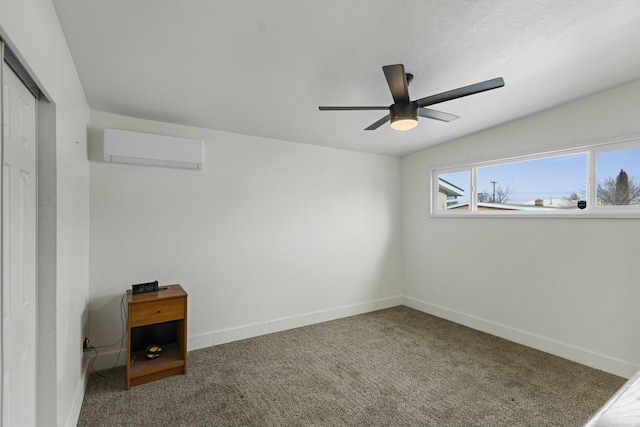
x=453, y=190
x=585, y=180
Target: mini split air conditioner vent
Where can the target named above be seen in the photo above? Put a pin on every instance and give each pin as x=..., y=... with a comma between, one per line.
x=136, y=148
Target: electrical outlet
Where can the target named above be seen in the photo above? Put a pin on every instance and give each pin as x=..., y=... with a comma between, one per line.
x=85, y=345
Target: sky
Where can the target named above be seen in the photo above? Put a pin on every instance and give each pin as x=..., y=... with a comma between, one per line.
x=554, y=177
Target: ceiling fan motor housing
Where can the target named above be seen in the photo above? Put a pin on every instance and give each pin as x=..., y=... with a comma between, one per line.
x=404, y=116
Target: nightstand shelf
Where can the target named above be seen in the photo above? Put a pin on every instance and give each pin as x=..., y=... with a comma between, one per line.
x=156, y=318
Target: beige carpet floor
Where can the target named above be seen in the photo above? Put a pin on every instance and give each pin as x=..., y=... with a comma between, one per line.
x=393, y=367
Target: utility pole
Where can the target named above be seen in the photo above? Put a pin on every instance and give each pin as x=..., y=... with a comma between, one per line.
x=493, y=198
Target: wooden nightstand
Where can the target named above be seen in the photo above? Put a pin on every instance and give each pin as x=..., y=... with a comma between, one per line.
x=156, y=318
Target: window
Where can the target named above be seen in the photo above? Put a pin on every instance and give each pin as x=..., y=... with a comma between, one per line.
x=601, y=179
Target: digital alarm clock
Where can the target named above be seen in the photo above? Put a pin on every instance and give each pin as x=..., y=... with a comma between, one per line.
x=144, y=287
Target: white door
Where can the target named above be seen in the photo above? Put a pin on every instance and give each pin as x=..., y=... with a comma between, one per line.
x=19, y=180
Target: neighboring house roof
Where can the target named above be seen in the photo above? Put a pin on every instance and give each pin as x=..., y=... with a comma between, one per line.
x=449, y=189
x=552, y=203
x=507, y=207
x=484, y=205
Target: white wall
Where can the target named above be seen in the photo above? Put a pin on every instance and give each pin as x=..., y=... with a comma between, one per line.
x=32, y=29
x=566, y=286
x=269, y=235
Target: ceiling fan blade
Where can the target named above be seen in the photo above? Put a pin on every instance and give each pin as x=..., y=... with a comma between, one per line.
x=379, y=123
x=351, y=108
x=436, y=115
x=460, y=92
x=397, y=81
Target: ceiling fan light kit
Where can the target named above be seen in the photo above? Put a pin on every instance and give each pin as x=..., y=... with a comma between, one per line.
x=404, y=116
x=403, y=113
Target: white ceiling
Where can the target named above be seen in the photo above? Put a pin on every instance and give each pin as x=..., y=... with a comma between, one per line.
x=262, y=68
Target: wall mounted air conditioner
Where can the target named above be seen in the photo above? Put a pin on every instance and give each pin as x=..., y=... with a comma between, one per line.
x=136, y=148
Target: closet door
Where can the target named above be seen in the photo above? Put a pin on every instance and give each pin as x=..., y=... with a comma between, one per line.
x=19, y=178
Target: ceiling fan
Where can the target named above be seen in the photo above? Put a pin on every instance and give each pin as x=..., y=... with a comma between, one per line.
x=403, y=113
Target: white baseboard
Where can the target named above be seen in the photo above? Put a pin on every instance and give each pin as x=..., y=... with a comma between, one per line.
x=105, y=360
x=567, y=351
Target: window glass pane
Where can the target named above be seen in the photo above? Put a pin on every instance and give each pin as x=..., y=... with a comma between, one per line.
x=618, y=177
x=453, y=190
x=545, y=184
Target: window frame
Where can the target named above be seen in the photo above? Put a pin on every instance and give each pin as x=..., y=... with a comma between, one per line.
x=591, y=211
